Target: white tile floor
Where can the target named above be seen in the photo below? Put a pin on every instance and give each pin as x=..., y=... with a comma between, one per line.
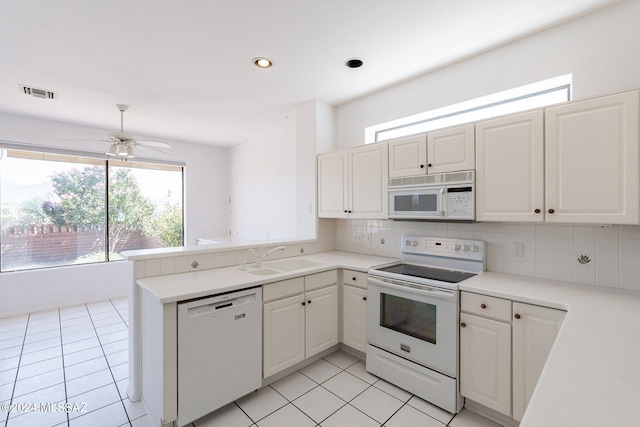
x=78, y=357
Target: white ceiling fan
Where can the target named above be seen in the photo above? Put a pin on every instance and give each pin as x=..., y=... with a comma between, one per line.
x=123, y=144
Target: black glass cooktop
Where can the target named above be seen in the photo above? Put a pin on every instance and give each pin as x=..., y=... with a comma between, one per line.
x=448, y=276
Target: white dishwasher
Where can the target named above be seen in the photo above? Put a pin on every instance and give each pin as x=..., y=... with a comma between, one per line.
x=219, y=351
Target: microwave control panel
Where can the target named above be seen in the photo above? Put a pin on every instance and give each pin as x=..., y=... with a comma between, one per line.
x=460, y=204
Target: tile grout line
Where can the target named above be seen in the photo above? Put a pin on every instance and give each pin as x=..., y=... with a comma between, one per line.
x=64, y=373
x=119, y=314
x=18, y=369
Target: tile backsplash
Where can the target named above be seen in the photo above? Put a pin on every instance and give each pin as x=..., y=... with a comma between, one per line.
x=597, y=255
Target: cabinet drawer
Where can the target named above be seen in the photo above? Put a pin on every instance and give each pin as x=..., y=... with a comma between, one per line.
x=320, y=280
x=282, y=289
x=486, y=306
x=354, y=278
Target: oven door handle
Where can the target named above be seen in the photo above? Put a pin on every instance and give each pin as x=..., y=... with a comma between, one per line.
x=415, y=288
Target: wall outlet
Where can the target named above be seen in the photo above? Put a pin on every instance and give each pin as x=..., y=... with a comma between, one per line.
x=357, y=237
x=517, y=250
x=367, y=238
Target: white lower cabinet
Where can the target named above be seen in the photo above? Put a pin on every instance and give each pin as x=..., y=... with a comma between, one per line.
x=283, y=324
x=534, y=330
x=300, y=319
x=321, y=320
x=354, y=310
x=503, y=348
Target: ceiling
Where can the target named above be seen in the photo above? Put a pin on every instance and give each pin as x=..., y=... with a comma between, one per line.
x=186, y=67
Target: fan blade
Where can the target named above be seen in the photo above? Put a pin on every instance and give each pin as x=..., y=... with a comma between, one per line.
x=157, y=144
x=149, y=149
x=83, y=140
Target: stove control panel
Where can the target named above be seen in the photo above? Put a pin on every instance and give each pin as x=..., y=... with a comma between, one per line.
x=444, y=247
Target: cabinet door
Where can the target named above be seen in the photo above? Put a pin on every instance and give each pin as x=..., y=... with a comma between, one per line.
x=592, y=161
x=451, y=149
x=408, y=156
x=322, y=319
x=510, y=168
x=534, y=331
x=354, y=317
x=368, y=175
x=485, y=362
x=332, y=185
x=283, y=334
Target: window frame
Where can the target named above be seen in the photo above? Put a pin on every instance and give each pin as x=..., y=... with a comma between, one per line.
x=38, y=152
x=559, y=84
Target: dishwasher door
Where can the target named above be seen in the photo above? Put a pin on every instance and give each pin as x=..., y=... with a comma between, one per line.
x=219, y=351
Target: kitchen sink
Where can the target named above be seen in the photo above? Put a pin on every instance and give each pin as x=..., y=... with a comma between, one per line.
x=263, y=272
x=292, y=264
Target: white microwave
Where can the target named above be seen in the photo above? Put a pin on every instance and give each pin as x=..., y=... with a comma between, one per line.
x=447, y=197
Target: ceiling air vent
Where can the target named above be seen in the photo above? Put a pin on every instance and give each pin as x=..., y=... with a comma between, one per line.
x=39, y=93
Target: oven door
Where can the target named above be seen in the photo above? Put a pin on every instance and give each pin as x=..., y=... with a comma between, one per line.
x=416, y=322
x=416, y=203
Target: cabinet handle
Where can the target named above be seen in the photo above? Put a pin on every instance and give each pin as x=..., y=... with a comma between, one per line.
x=483, y=306
x=345, y=211
x=354, y=278
x=304, y=303
x=537, y=211
x=364, y=298
x=463, y=325
x=421, y=166
x=429, y=165
x=551, y=211
x=309, y=302
x=517, y=316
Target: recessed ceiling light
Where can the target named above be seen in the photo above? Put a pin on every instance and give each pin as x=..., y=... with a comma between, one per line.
x=262, y=62
x=354, y=63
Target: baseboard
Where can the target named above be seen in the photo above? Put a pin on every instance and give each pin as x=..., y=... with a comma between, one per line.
x=490, y=414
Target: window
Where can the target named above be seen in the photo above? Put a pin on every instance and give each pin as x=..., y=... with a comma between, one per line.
x=535, y=95
x=64, y=208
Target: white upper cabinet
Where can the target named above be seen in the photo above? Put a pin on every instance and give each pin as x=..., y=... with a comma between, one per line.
x=579, y=164
x=451, y=149
x=332, y=185
x=353, y=183
x=368, y=174
x=446, y=150
x=510, y=168
x=592, y=161
x=408, y=156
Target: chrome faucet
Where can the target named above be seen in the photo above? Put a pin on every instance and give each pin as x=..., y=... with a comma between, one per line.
x=259, y=255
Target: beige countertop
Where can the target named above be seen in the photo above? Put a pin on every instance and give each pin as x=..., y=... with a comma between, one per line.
x=184, y=286
x=592, y=375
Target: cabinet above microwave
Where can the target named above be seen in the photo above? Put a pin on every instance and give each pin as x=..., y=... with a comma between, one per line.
x=445, y=150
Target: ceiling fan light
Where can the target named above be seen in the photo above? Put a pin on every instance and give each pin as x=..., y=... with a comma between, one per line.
x=130, y=154
x=113, y=150
x=122, y=150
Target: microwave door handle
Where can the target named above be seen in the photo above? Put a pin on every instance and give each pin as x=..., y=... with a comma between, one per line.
x=443, y=202
x=414, y=289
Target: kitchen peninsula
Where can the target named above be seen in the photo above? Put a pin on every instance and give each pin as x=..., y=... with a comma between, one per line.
x=590, y=377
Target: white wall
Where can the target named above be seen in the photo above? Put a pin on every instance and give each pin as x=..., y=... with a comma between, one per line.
x=601, y=50
x=263, y=183
x=273, y=180
x=205, y=210
x=315, y=134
